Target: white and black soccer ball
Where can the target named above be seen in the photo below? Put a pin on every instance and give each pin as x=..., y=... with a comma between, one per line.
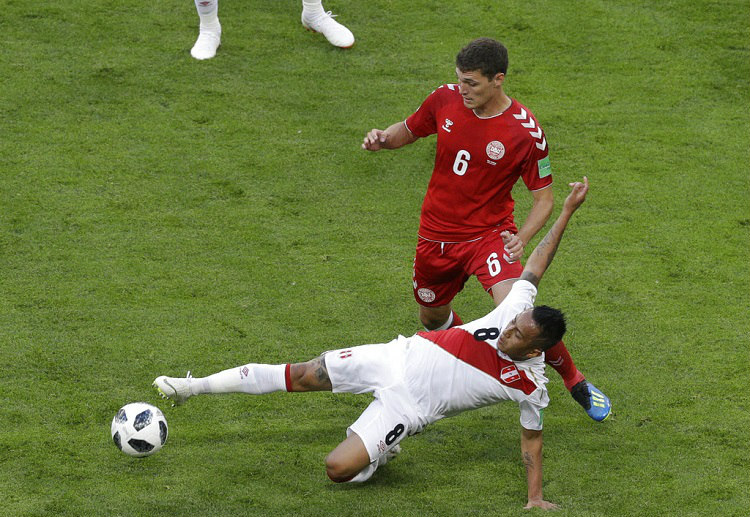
x=139, y=429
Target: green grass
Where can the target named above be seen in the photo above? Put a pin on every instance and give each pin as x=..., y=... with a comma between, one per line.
x=159, y=214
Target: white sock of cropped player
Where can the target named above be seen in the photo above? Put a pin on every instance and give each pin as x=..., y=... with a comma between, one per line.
x=252, y=378
x=312, y=8
x=447, y=323
x=208, y=11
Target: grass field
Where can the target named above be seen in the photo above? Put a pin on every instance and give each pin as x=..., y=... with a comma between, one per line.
x=159, y=214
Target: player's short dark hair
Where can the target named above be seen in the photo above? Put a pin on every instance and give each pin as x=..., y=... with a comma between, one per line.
x=551, y=323
x=488, y=56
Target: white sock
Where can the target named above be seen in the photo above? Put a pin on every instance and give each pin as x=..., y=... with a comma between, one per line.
x=365, y=474
x=311, y=8
x=252, y=378
x=208, y=11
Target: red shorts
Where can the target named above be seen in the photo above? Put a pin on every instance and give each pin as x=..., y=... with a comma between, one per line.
x=442, y=268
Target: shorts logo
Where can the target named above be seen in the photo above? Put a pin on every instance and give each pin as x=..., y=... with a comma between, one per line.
x=345, y=353
x=509, y=374
x=381, y=447
x=495, y=150
x=426, y=295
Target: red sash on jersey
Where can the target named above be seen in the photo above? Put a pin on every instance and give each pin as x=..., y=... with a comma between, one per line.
x=461, y=344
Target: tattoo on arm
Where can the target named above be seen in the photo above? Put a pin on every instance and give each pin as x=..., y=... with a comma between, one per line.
x=542, y=257
x=530, y=277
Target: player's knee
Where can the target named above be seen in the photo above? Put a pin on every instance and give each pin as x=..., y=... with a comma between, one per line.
x=338, y=471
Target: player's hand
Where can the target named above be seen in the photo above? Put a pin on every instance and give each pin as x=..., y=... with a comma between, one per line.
x=374, y=140
x=577, y=195
x=541, y=503
x=513, y=246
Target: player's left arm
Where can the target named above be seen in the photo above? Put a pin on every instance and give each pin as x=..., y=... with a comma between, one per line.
x=531, y=451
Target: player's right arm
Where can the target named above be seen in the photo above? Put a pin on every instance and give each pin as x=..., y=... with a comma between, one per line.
x=531, y=450
x=397, y=135
x=545, y=251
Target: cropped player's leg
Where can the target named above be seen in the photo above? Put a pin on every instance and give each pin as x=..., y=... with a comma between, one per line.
x=559, y=358
x=594, y=402
x=316, y=19
x=209, y=35
x=255, y=379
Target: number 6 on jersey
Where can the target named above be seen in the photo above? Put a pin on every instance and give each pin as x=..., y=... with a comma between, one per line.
x=462, y=162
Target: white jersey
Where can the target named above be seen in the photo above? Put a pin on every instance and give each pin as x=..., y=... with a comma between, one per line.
x=454, y=370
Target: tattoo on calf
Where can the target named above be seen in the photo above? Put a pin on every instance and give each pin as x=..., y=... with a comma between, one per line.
x=321, y=373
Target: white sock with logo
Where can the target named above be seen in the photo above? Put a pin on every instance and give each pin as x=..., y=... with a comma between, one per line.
x=252, y=378
x=208, y=12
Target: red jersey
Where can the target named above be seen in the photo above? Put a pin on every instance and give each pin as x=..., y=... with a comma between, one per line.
x=477, y=162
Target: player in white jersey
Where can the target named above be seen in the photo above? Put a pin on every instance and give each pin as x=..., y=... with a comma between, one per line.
x=314, y=18
x=428, y=376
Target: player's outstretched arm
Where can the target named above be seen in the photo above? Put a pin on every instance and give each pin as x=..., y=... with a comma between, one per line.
x=531, y=449
x=545, y=251
x=397, y=135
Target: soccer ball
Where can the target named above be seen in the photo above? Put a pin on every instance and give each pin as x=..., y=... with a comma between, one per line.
x=139, y=429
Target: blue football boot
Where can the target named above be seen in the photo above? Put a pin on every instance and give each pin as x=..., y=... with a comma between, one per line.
x=595, y=402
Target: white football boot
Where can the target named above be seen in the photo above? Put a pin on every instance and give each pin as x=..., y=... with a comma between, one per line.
x=335, y=33
x=208, y=41
x=177, y=389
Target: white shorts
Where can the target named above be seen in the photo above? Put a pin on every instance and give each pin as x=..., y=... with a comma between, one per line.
x=377, y=369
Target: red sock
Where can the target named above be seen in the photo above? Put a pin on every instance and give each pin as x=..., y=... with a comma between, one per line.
x=456, y=320
x=559, y=358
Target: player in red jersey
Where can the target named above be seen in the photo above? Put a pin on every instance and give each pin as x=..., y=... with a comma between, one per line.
x=486, y=141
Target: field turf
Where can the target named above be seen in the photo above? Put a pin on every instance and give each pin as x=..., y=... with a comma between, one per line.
x=160, y=214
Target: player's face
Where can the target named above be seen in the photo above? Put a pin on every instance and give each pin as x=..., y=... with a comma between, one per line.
x=476, y=89
x=517, y=339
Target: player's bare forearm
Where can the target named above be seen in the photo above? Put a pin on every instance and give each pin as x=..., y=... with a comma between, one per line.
x=544, y=202
x=395, y=136
x=531, y=451
x=544, y=252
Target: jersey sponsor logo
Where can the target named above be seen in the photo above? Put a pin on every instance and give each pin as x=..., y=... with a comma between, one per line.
x=447, y=125
x=495, y=150
x=426, y=295
x=545, y=168
x=509, y=374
